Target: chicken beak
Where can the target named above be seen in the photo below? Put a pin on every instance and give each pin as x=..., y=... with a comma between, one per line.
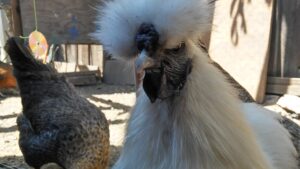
x=143, y=61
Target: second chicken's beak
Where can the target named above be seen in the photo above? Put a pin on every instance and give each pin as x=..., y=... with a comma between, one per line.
x=143, y=61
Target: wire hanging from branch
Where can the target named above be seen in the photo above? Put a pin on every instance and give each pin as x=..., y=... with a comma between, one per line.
x=35, y=19
x=35, y=15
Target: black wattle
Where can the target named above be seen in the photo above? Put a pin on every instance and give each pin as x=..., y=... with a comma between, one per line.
x=152, y=83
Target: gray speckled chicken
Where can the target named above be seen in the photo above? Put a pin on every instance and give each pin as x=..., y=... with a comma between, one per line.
x=57, y=125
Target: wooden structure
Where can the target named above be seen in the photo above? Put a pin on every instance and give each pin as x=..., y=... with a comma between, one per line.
x=70, y=23
x=257, y=42
x=84, y=54
x=2, y=35
x=5, y=6
x=62, y=22
x=240, y=42
x=78, y=74
x=283, y=85
x=284, y=65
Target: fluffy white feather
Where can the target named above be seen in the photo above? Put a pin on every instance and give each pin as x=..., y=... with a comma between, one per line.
x=204, y=128
x=274, y=139
x=175, y=20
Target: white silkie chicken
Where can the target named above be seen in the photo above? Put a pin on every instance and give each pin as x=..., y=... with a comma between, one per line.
x=186, y=116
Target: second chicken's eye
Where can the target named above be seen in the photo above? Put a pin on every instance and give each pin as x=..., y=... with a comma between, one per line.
x=176, y=50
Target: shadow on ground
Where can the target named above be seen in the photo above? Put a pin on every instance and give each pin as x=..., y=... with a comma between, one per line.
x=13, y=162
x=8, y=116
x=111, y=104
x=87, y=91
x=6, y=93
x=8, y=129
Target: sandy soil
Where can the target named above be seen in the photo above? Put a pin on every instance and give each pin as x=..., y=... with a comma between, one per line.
x=115, y=102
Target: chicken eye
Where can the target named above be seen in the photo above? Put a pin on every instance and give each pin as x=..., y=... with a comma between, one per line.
x=176, y=50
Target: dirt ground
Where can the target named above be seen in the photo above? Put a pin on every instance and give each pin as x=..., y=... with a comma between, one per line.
x=114, y=101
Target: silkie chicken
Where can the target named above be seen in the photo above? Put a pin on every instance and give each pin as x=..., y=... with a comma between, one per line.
x=57, y=125
x=187, y=115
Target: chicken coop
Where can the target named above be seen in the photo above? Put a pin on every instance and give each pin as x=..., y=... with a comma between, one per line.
x=256, y=42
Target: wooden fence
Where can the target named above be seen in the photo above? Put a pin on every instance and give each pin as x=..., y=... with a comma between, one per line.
x=84, y=54
x=284, y=64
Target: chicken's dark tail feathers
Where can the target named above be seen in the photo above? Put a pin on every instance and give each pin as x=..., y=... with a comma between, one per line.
x=22, y=59
x=37, y=148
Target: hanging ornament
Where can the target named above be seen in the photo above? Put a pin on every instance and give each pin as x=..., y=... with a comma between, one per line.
x=38, y=45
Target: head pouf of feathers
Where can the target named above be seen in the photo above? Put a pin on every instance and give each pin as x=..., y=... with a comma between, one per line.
x=156, y=33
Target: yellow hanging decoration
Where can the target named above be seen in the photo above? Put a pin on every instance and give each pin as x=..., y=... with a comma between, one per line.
x=38, y=45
